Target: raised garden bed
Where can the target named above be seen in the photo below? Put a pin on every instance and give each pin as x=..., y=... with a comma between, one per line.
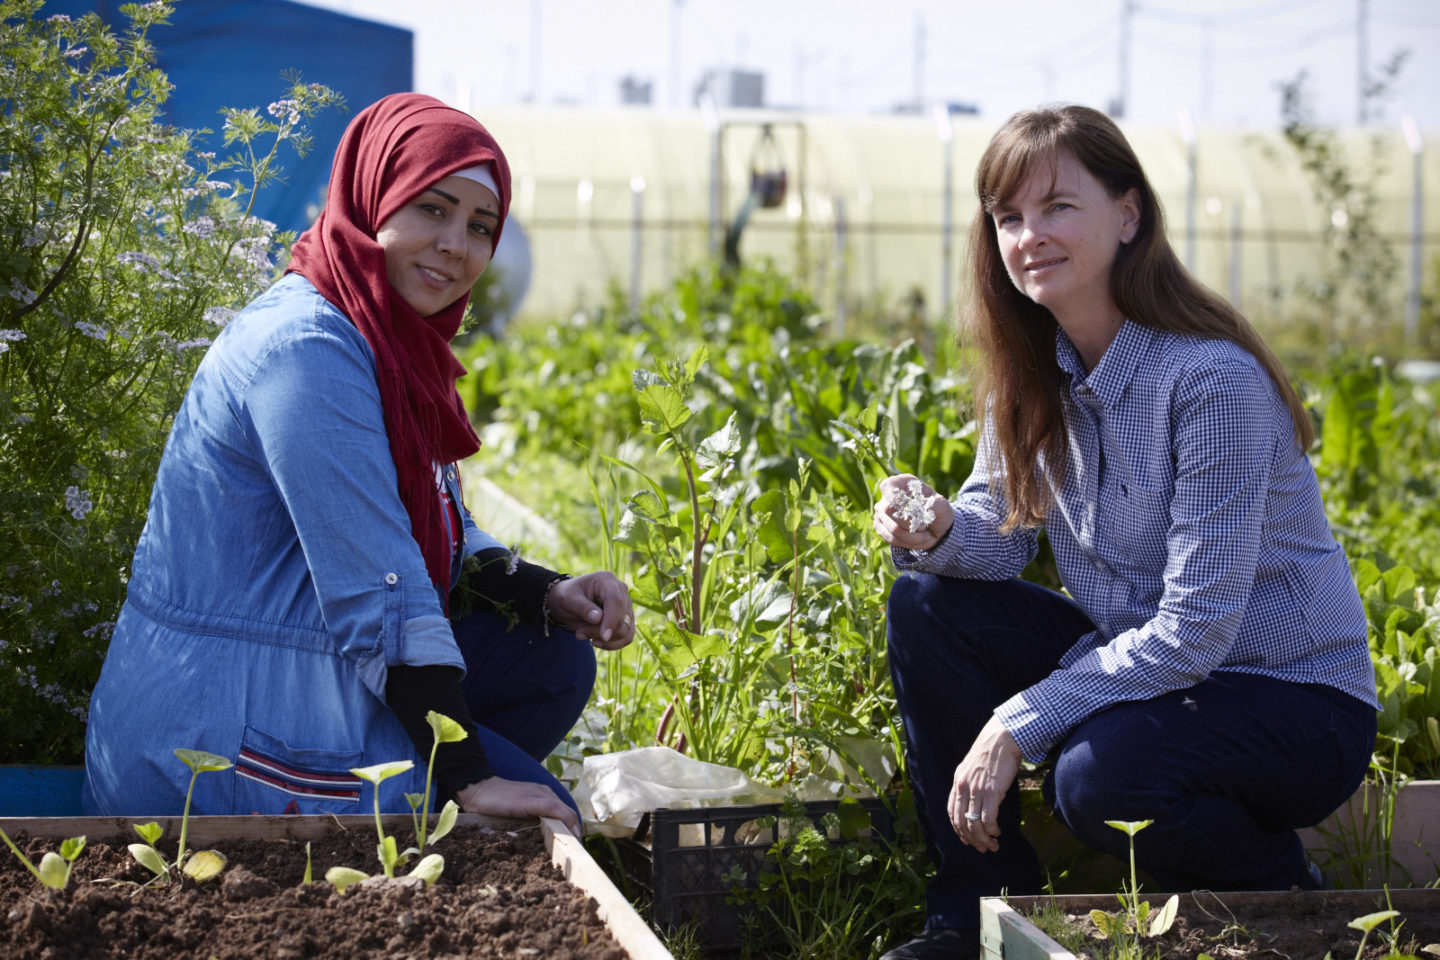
x=1298, y=924
x=510, y=888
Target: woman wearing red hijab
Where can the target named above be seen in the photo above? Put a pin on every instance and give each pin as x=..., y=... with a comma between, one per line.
x=309, y=583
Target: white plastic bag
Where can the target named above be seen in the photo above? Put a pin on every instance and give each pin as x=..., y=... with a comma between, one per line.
x=615, y=789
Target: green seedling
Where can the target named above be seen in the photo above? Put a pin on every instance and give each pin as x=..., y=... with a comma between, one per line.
x=1135, y=913
x=378, y=774
x=446, y=731
x=1367, y=923
x=54, y=869
x=198, y=866
x=430, y=867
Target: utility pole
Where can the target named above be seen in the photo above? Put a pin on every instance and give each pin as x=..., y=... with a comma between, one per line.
x=1122, y=99
x=1207, y=69
x=535, y=46
x=919, y=60
x=1362, y=60
x=676, y=94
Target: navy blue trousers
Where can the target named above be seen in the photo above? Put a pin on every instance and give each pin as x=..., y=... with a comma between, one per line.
x=1227, y=769
x=525, y=691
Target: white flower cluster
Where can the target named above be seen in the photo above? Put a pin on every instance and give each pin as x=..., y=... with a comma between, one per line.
x=143, y=260
x=219, y=315
x=202, y=227
x=21, y=292
x=913, y=507
x=253, y=250
x=286, y=109
x=33, y=236
x=77, y=501
x=91, y=329
x=11, y=336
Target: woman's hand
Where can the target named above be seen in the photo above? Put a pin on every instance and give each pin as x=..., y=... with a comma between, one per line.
x=597, y=607
x=897, y=509
x=981, y=782
x=498, y=797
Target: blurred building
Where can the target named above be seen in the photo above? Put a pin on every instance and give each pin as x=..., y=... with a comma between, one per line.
x=732, y=88
x=635, y=92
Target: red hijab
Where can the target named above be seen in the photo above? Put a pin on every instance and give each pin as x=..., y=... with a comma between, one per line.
x=394, y=149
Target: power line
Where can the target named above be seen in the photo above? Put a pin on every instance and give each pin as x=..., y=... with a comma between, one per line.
x=1227, y=18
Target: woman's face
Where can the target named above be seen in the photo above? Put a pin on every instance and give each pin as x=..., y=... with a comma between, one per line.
x=1059, y=235
x=438, y=244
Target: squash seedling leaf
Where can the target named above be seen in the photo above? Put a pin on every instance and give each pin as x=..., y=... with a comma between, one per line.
x=54, y=870
x=149, y=832
x=446, y=730
x=1165, y=919
x=382, y=771
x=446, y=823
x=1372, y=920
x=71, y=848
x=149, y=858
x=429, y=868
x=205, y=865
x=202, y=762
x=342, y=877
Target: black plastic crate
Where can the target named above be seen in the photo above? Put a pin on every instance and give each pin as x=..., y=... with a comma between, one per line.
x=687, y=871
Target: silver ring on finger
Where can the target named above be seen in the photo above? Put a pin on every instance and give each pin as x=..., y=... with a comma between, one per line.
x=972, y=817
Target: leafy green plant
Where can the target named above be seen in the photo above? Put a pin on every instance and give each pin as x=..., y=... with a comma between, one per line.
x=430, y=866
x=1134, y=921
x=54, y=869
x=126, y=247
x=445, y=730
x=830, y=889
x=201, y=866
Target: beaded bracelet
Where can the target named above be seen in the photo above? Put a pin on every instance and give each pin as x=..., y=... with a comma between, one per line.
x=545, y=603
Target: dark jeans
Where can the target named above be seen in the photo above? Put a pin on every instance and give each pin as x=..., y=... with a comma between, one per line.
x=525, y=691
x=1227, y=769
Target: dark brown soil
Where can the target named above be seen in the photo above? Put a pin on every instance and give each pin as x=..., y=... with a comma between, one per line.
x=499, y=897
x=1299, y=925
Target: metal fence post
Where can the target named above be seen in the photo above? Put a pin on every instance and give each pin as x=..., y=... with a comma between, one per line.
x=637, y=211
x=946, y=131
x=1416, y=143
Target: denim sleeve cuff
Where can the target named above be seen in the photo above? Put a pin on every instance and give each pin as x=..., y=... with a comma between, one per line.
x=428, y=641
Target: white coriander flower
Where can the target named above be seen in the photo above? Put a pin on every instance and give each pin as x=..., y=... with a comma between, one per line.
x=219, y=315
x=77, y=501
x=91, y=329
x=914, y=507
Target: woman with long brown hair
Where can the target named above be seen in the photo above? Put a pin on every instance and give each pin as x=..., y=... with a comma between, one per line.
x=1209, y=667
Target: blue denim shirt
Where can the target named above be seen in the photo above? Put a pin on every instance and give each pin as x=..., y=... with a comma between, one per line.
x=274, y=585
x=1188, y=526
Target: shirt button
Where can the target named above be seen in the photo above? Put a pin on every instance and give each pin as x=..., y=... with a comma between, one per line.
x=450, y=475
x=1098, y=565
x=391, y=579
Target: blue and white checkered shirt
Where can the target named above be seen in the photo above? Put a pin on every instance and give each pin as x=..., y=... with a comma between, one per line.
x=1188, y=527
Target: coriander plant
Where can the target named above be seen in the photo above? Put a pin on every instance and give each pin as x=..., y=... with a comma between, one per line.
x=124, y=248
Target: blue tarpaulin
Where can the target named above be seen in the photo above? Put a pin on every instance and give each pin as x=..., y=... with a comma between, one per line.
x=234, y=53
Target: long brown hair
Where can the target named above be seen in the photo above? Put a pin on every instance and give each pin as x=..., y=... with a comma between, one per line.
x=1020, y=382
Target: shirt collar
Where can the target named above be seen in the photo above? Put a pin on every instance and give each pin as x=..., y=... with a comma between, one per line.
x=1116, y=368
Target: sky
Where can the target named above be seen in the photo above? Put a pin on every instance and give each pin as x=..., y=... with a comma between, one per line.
x=1222, y=60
